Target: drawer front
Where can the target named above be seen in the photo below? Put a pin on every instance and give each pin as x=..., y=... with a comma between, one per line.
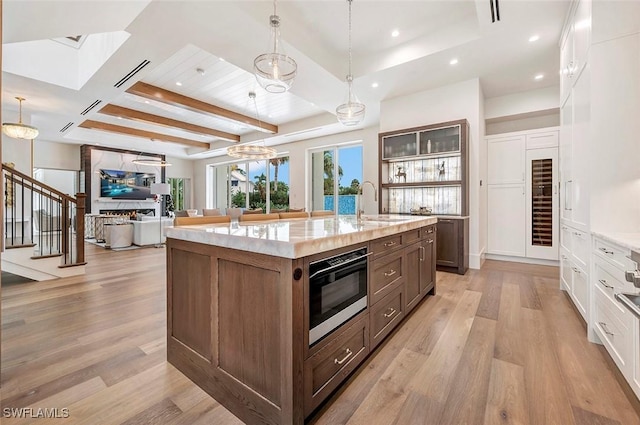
x=608, y=281
x=615, y=336
x=565, y=237
x=428, y=232
x=580, y=291
x=614, y=254
x=411, y=236
x=383, y=246
x=326, y=369
x=566, y=273
x=385, y=315
x=386, y=274
x=580, y=247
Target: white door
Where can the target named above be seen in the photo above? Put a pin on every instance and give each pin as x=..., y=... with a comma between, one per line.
x=542, y=203
x=506, y=220
x=506, y=163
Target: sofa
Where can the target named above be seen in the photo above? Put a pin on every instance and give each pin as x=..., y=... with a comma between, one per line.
x=147, y=232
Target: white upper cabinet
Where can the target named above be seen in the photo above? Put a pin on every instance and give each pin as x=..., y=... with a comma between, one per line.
x=574, y=49
x=506, y=160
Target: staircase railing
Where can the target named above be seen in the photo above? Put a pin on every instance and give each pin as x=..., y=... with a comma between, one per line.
x=40, y=216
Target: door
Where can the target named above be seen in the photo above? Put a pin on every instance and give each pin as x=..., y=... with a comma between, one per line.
x=506, y=220
x=427, y=265
x=542, y=203
x=447, y=247
x=506, y=160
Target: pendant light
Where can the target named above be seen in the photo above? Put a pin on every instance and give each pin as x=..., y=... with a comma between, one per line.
x=152, y=162
x=254, y=152
x=19, y=130
x=275, y=71
x=352, y=111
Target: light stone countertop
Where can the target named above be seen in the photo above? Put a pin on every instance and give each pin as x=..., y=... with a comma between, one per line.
x=627, y=240
x=296, y=238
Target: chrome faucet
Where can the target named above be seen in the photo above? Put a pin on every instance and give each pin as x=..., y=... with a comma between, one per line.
x=360, y=210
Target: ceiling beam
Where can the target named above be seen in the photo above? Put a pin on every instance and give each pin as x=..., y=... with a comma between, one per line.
x=132, y=114
x=112, y=128
x=171, y=98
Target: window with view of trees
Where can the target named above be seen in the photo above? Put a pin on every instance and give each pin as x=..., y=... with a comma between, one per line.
x=257, y=184
x=336, y=174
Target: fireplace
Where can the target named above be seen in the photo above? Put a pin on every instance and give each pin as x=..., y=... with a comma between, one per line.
x=132, y=213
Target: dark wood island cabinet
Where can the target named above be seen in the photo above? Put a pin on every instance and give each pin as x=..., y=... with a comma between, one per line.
x=238, y=320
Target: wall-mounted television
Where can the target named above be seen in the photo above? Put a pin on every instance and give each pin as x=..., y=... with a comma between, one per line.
x=119, y=184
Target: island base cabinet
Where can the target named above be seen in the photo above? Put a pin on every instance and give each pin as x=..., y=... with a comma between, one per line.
x=385, y=315
x=231, y=323
x=327, y=368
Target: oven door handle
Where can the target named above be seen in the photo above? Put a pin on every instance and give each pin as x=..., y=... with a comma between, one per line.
x=340, y=265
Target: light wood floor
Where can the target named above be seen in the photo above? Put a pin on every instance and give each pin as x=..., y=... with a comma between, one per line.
x=497, y=346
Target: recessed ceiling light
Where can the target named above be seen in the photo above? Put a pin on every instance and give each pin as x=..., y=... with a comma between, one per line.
x=178, y=83
x=374, y=85
x=395, y=33
x=533, y=38
x=539, y=77
x=453, y=61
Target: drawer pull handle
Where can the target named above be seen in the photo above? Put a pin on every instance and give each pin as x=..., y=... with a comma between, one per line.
x=564, y=257
x=430, y=231
x=575, y=270
x=577, y=233
x=344, y=359
x=564, y=228
x=606, y=251
x=604, y=283
x=422, y=250
x=605, y=329
x=388, y=244
x=430, y=241
x=390, y=312
x=389, y=273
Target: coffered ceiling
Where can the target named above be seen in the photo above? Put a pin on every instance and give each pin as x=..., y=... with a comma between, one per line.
x=179, y=81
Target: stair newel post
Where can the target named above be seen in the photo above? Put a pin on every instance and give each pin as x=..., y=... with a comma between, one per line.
x=65, y=231
x=80, y=211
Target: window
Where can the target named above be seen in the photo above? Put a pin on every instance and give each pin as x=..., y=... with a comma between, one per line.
x=336, y=174
x=180, y=196
x=253, y=184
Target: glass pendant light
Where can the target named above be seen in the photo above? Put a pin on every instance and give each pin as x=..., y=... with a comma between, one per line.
x=19, y=130
x=254, y=152
x=275, y=71
x=352, y=111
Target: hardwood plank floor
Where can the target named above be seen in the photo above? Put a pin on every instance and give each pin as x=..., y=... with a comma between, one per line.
x=501, y=345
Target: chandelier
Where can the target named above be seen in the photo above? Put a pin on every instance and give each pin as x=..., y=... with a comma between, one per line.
x=151, y=161
x=275, y=71
x=352, y=111
x=19, y=130
x=252, y=151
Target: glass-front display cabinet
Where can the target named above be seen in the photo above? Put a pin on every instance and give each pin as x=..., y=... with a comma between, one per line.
x=424, y=170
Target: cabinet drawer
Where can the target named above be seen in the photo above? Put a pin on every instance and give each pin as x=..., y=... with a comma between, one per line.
x=386, y=273
x=383, y=246
x=614, y=333
x=326, y=369
x=615, y=255
x=580, y=247
x=411, y=236
x=428, y=232
x=385, y=315
x=609, y=281
x=565, y=237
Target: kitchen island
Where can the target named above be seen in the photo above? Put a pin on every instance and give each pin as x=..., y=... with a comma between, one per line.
x=238, y=306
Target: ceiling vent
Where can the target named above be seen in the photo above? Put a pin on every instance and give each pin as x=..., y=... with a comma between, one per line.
x=131, y=73
x=90, y=107
x=495, y=10
x=66, y=127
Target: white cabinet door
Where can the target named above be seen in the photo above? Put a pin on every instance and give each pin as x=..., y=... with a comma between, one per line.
x=542, y=204
x=506, y=160
x=506, y=220
x=580, y=290
x=635, y=382
x=566, y=273
x=566, y=137
x=566, y=65
x=581, y=36
x=580, y=148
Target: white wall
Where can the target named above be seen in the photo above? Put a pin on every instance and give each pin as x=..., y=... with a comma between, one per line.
x=298, y=153
x=58, y=156
x=456, y=101
x=522, y=103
